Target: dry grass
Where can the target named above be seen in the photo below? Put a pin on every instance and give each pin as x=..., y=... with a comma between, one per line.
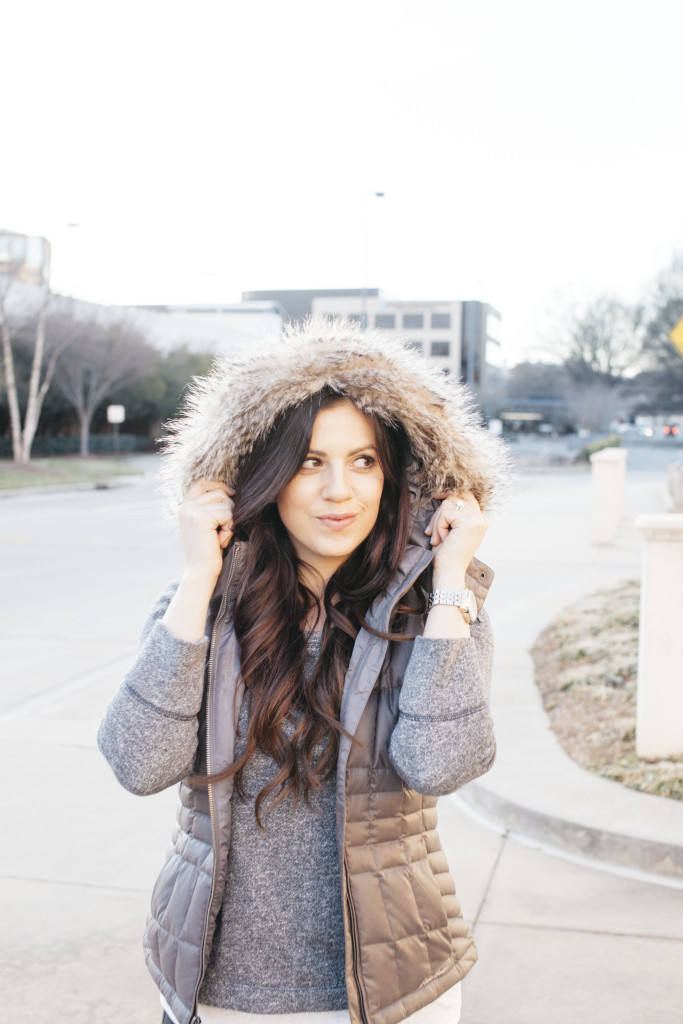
x=63, y=469
x=586, y=665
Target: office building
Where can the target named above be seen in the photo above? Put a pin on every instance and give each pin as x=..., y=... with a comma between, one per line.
x=25, y=258
x=220, y=328
x=461, y=337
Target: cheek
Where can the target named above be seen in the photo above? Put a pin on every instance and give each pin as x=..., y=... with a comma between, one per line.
x=292, y=502
x=373, y=493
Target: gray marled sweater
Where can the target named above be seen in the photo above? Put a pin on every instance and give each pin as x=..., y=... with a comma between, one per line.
x=282, y=897
x=288, y=933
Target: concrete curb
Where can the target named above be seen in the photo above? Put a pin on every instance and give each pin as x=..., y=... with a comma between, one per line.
x=101, y=485
x=662, y=861
x=534, y=790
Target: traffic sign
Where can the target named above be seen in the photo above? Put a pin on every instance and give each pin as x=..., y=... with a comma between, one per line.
x=676, y=336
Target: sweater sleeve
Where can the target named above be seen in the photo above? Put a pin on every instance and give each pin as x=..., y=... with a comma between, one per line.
x=149, y=731
x=444, y=734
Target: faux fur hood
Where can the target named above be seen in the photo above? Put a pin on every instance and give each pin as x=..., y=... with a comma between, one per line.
x=240, y=399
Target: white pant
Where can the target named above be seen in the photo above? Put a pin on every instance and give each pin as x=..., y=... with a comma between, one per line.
x=444, y=1010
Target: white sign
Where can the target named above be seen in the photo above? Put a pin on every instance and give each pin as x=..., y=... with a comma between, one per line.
x=116, y=413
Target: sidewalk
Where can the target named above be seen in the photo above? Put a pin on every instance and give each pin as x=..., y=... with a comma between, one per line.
x=559, y=942
x=582, y=937
x=544, y=560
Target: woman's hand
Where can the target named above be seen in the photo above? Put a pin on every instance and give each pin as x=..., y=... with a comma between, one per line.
x=205, y=520
x=456, y=529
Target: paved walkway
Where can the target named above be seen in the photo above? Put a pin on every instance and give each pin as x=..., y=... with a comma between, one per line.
x=559, y=941
x=544, y=560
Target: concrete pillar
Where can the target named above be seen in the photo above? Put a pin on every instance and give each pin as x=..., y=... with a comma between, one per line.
x=659, y=710
x=609, y=481
x=676, y=486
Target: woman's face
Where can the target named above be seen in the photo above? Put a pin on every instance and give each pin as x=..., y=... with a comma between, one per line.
x=332, y=503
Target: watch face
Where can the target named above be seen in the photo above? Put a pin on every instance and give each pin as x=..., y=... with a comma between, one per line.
x=472, y=607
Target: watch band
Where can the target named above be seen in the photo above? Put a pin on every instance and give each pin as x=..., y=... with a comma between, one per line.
x=461, y=599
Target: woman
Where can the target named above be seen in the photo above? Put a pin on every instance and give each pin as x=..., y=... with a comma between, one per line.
x=297, y=686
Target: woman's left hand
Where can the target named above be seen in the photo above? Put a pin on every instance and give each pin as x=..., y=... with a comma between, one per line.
x=456, y=529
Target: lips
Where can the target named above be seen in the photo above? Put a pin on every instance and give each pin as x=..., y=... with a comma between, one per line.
x=337, y=521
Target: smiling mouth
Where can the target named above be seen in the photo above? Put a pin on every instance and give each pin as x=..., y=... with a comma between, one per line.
x=336, y=522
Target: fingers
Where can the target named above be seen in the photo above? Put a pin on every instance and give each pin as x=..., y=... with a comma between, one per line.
x=225, y=533
x=209, y=493
x=457, y=511
x=203, y=486
x=206, y=524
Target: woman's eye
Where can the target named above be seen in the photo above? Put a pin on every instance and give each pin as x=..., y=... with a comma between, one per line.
x=310, y=463
x=367, y=460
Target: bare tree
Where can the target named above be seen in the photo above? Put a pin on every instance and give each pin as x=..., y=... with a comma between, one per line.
x=664, y=308
x=595, y=403
x=40, y=378
x=526, y=380
x=659, y=388
x=601, y=341
x=105, y=355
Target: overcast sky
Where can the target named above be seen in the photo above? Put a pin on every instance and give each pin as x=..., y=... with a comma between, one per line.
x=530, y=151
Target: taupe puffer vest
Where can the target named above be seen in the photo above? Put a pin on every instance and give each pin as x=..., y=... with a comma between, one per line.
x=406, y=942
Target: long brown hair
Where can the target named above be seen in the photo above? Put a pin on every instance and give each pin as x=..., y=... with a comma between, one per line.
x=271, y=603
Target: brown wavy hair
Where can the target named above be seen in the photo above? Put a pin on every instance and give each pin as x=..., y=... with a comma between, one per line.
x=271, y=603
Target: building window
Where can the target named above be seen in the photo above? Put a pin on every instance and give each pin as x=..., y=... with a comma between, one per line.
x=441, y=348
x=385, y=320
x=441, y=321
x=413, y=320
x=417, y=345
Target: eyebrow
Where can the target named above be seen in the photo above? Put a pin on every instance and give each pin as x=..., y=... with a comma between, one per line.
x=363, y=448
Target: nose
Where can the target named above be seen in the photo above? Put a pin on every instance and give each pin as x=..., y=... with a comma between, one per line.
x=336, y=486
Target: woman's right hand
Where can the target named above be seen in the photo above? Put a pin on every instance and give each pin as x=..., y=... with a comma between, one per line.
x=206, y=527
x=205, y=519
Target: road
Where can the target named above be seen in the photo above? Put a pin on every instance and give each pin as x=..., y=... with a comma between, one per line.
x=642, y=456
x=79, y=570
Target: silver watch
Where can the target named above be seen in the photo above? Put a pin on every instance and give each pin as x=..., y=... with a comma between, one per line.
x=462, y=599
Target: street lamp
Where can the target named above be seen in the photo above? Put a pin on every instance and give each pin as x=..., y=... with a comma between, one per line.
x=366, y=233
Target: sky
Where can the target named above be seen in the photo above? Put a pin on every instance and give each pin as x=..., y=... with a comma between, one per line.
x=530, y=152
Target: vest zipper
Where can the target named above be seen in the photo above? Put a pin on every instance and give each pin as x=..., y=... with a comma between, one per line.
x=354, y=951
x=365, y=1018
x=212, y=663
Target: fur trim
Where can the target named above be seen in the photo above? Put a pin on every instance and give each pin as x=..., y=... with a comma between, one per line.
x=240, y=399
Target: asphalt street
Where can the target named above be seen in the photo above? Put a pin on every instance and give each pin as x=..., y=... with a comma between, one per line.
x=558, y=941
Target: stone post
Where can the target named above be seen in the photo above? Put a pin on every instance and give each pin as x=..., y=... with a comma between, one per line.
x=676, y=486
x=659, y=710
x=609, y=481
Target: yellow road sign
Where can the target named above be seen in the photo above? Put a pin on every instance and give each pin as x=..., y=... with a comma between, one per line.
x=676, y=336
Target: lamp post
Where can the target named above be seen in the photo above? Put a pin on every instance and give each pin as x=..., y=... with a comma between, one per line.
x=366, y=234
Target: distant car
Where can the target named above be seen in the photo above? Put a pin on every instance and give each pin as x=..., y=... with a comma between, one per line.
x=670, y=430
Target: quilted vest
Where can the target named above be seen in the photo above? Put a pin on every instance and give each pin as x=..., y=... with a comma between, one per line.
x=406, y=941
